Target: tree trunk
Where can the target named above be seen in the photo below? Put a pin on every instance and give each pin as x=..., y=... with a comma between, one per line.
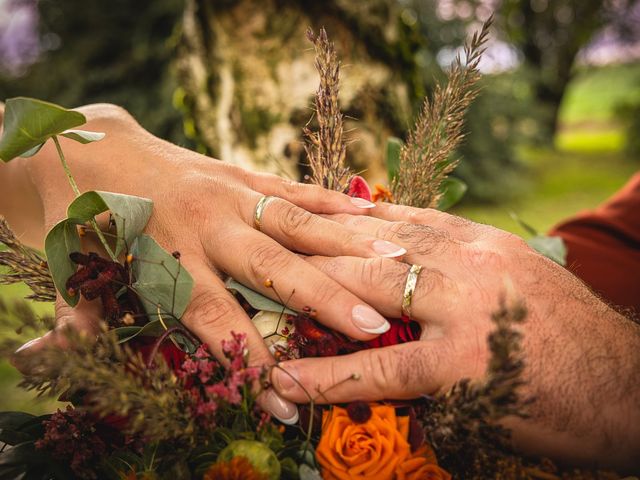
x=247, y=71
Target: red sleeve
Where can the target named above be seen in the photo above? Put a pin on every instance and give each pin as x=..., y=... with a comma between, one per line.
x=604, y=247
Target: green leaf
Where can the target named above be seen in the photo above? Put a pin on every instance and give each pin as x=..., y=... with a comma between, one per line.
x=32, y=152
x=161, y=281
x=61, y=240
x=529, y=229
x=14, y=420
x=394, y=147
x=255, y=299
x=308, y=473
x=83, y=136
x=130, y=213
x=23, y=453
x=28, y=123
x=551, y=247
x=453, y=189
x=152, y=329
x=12, y=437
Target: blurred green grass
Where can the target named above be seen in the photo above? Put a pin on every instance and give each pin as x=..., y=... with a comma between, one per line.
x=13, y=397
x=589, y=163
x=587, y=166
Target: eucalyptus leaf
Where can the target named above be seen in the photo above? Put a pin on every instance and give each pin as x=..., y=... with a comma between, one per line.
x=161, y=281
x=308, y=473
x=453, y=189
x=23, y=453
x=29, y=123
x=255, y=299
x=130, y=213
x=394, y=147
x=14, y=420
x=62, y=240
x=13, y=437
x=32, y=152
x=83, y=136
x=551, y=247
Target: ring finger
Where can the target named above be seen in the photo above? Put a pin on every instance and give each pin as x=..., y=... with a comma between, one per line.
x=381, y=283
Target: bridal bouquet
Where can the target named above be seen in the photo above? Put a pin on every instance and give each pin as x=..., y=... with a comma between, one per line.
x=146, y=399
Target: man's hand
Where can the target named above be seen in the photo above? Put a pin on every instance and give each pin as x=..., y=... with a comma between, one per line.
x=582, y=357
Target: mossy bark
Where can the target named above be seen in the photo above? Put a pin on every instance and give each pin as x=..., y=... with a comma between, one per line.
x=248, y=78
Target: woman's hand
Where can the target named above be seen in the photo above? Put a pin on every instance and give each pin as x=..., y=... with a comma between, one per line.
x=205, y=210
x=582, y=358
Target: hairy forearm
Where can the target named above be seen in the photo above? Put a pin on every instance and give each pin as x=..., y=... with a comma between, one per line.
x=584, y=367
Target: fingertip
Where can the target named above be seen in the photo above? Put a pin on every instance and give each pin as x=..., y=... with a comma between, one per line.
x=282, y=409
x=362, y=203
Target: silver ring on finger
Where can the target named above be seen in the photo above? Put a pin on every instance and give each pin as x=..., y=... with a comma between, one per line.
x=409, y=289
x=259, y=211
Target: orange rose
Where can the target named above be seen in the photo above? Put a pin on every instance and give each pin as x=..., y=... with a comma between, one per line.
x=421, y=466
x=372, y=449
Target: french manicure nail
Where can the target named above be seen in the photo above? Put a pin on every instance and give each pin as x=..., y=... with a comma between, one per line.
x=388, y=249
x=368, y=320
x=28, y=345
x=362, y=203
x=280, y=408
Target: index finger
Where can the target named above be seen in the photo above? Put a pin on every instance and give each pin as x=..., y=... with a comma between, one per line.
x=213, y=314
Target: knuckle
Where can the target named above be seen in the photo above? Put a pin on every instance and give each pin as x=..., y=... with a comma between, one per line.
x=382, y=368
x=291, y=188
x=209, y=308
x=372, y=271
x=327, y=292
x=293, y=220
x=479, y=258
x=422, y=215
x=421, y=239
x=514, y=241
x=265, y=261
x=430, y=281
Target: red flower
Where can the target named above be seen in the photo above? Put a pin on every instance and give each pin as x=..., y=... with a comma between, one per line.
x=358, y=187
x=312, y=339
x=172, y=355
x=402, y=330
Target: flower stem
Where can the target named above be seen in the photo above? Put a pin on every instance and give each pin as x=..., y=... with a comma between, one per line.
x=76, y=190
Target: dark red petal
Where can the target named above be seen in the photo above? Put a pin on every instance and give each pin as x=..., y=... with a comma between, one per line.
x=358, y=187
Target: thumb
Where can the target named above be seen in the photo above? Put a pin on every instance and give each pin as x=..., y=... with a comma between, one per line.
x=84, y=318
x=392, y=373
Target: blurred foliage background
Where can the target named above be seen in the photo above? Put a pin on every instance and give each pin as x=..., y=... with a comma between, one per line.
x=555, y=130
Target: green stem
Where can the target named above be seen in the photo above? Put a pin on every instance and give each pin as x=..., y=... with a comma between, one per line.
x=65, y=166
x=76, y=190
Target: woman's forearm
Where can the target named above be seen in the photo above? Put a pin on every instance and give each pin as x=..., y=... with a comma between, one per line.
x=20, y=203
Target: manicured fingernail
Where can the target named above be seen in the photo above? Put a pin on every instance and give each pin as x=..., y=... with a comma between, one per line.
x=285, y=377
x=368, y=320
x=28, y=345
x=362, y=203
x=280, y=408
x=388, y=249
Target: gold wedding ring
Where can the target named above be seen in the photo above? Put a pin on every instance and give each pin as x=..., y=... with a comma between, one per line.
x=409, y=288
x=259, y=210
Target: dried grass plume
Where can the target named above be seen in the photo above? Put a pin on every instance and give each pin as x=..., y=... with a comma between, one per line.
x=25, y=265
x=326, y=147
x=426, y=158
